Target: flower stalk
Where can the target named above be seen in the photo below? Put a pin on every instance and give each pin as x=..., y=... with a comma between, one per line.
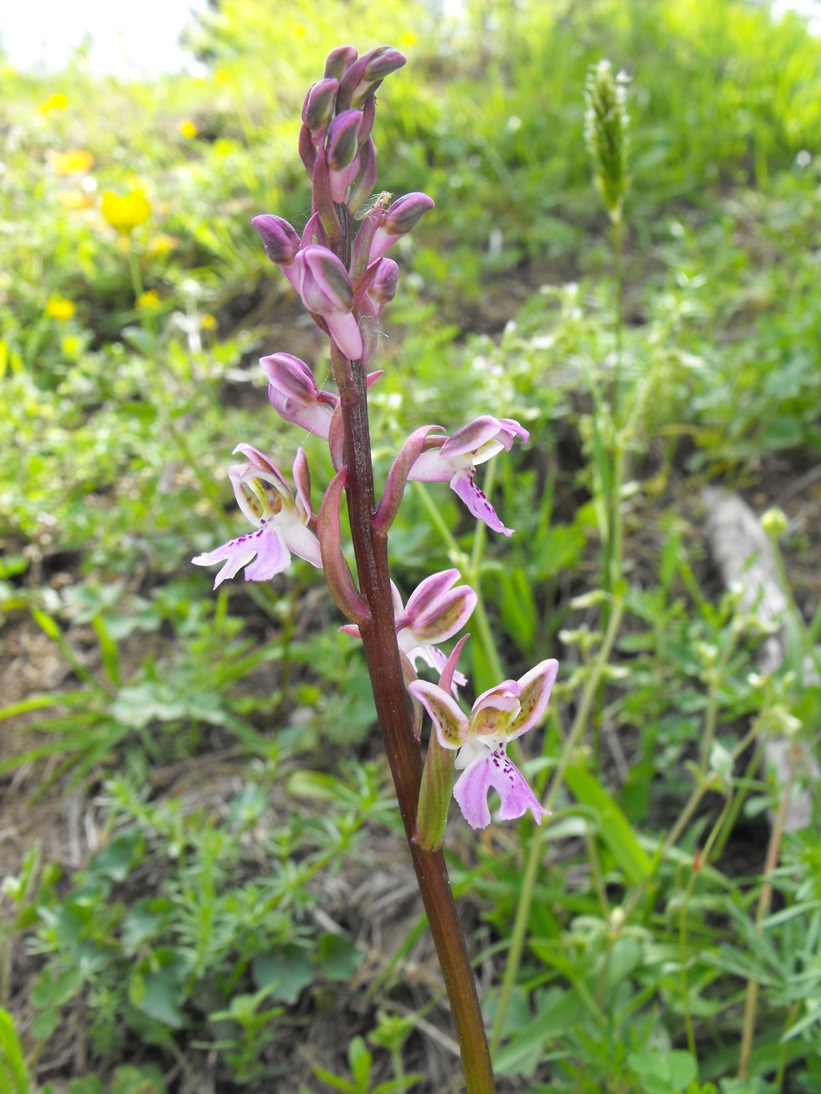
x=340, y=269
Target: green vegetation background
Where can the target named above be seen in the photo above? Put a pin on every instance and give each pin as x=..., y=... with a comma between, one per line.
x=129, y=332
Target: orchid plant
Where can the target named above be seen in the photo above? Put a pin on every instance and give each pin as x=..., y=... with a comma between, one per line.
x=339, y=267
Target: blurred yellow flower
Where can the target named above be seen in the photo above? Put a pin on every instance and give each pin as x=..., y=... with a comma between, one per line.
x=223, y=147
x=149, y=300
x=408, y=39
x=209, y=321
x=222, y=76
x=60, y=308
x=57, y=101
x=76, y=199
x=300, y=30
x=125, y=212
x=160, y=245
x=75, y=161
x=188, y=130
x=71, y=345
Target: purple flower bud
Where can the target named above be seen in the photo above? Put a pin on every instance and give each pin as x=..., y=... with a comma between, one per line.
x=342, y=153
x=326, y=290
x=399, y=218
x=383, y=287
x=318, y=108
x=364, y=77
x=405, y=213
x=381, y=62
x=324, y=284
x=343, y=143
x=295, y=396
x=339, y=61
x=279, y=239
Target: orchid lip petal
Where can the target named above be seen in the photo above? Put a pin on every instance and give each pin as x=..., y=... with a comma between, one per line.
x=477, y=502
x=492, y=768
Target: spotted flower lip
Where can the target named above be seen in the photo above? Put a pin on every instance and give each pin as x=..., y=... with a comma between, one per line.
x=498, y=716
x=454, y=459
x=281, y=520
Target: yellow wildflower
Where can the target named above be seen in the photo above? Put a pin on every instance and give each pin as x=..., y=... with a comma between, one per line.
x=149, y=300
x=408, y=39
x=125, y=212
x=57, y=101
x=188, y=130
x=208, y=321
x=76, y=161
x=60, y=308
x=76, y=199
x=160, y=245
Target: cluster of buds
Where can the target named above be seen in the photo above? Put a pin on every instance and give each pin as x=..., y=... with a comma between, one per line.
x=339, y=267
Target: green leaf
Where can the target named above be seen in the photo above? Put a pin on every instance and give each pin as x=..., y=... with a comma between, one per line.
x=117, y=860
x=90, y=1085
x=614, y=827
x=138, y=1080
x=160, y=997
x=284, y=973
x=663, y=1073
x=54, y=989
x=109, y=652
x=338, y=956
x=13, y=1071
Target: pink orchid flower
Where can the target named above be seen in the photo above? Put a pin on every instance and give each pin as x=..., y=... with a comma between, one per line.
x=281, y=519
x=499, y=715
x=435, y=612
x=454, y=459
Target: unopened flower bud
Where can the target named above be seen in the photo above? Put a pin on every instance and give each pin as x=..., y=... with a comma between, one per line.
x=294, y=395
x=405, y=213
x=399, y=218
x=326, y=290
x=343, y=143
x=339, y=61
x=324, y=284
x=383, y=287
x=774, y=522
x=364, y=77
x=381, y=62
x=279, y=238
x=320, y=101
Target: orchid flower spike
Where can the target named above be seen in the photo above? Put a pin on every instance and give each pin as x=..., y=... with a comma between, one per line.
x=281, y=519
x=499, y=715
x=454, y=460
x=435, y=612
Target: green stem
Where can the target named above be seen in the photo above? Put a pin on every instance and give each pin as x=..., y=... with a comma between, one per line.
x=764, y=898
x=134, y=271
x=700, y=859
x=528, y=886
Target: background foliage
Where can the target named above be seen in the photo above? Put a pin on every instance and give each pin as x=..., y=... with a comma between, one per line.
x=197, y=916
